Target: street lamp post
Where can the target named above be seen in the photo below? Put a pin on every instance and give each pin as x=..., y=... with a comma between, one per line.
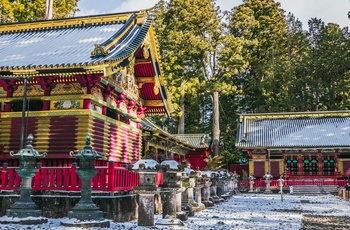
x=24, y=100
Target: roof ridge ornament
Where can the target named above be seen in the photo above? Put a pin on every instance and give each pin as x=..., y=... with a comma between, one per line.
x=102, y=49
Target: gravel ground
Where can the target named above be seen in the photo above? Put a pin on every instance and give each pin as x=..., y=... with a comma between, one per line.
x=316, y=222
x=252, y=211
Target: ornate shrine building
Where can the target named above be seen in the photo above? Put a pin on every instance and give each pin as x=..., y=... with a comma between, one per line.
x=193, y=148
x=63, y=79
x=296, y=145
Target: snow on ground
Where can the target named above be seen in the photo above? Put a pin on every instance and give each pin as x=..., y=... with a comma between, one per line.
x=242, y=211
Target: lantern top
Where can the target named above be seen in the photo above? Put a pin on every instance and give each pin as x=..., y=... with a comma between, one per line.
x=28, y=151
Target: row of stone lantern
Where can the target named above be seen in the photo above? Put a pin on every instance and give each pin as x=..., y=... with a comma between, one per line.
x=183, y=192
x=183, y=189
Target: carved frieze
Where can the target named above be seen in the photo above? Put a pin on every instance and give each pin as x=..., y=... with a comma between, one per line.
x=67, y=88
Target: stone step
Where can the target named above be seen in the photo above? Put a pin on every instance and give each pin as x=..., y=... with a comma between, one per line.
x=314, y=189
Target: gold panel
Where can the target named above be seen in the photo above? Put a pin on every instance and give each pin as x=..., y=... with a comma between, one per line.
x=66, y=104
x=340, y=166
x=251, y=167
x=281, y=167
x=153, y=103
x=67, y=88
x=84, y=124
x=267, y=168
x=42, y=134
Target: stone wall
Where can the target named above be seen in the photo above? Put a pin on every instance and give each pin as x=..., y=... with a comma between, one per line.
x=119, y=207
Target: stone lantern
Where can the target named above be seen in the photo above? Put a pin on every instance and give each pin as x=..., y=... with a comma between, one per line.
x=24, y=206
x=86, y=210
x=147, y=169
x=251, y=183
x=280, y=184
x=206, y=183
x=221, y=187
x=268, y=177
x=170, y=188
x=214, y=186
x=188, y=182
x=234, y=180
x=198, y=190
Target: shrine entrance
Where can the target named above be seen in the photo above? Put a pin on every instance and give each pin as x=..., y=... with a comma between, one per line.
x=311, y=165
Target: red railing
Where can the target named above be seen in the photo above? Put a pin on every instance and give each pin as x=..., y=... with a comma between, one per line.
x=299, y=182
x=108, y=178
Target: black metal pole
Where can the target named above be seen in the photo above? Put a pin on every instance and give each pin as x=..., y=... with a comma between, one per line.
x=23, y=111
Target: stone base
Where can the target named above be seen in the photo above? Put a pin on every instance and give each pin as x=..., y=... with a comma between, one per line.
x=86, y=211
x=226, y=196
x=208, y=204
x=86, y=224
x=188, y=209
x=197, y=207
x=216, y=199
x=86, y=214
x=182, y=216
x=23, y=213
x=22, y=221
x=169, y=221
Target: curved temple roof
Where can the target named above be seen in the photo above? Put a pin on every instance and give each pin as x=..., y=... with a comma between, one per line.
x=98, y=44
x=70, y=43
x=294, y=130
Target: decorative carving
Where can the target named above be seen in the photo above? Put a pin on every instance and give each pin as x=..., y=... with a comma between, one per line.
x=131, y=105
x=9, y=86
x=32, y=90
x=111, y=100
x=89, y=81
x=107, y=91
x=96, y=108
x=47, y=84
x=120, y=99
x=67, y=88
x=99, y=51
x=126, y=78
x=97, y=92
x=68, y=104
x=146, y=46
x=141, y=111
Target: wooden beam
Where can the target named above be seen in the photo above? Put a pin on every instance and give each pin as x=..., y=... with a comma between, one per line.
x=145, y=79
x=153, y=103
x=143, y=61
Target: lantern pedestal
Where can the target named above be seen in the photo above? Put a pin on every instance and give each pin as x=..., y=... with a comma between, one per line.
x=24, y=207
x=85, y=211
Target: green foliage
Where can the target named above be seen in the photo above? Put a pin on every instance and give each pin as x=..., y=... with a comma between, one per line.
x=264, y=62
x=214, y=163
x=30, y=10
x=200, y=60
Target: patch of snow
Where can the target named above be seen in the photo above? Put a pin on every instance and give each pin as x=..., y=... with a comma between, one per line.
x=242, y=211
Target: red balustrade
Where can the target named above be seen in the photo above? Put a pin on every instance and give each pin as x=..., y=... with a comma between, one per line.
x=307, y=182
x=108, y=178
x=10, y=180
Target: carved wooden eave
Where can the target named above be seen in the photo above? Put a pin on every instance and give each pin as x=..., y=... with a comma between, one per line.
x=111, y=46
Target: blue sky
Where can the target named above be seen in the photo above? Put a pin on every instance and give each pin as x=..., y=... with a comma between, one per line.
x=328, y=10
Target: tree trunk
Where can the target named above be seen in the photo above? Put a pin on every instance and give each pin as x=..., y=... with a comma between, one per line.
x=216, y=124
x=181, y=125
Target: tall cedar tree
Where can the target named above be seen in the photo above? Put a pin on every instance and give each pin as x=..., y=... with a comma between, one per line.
x=30, y=10
x=199, y=59
x=262, y=23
